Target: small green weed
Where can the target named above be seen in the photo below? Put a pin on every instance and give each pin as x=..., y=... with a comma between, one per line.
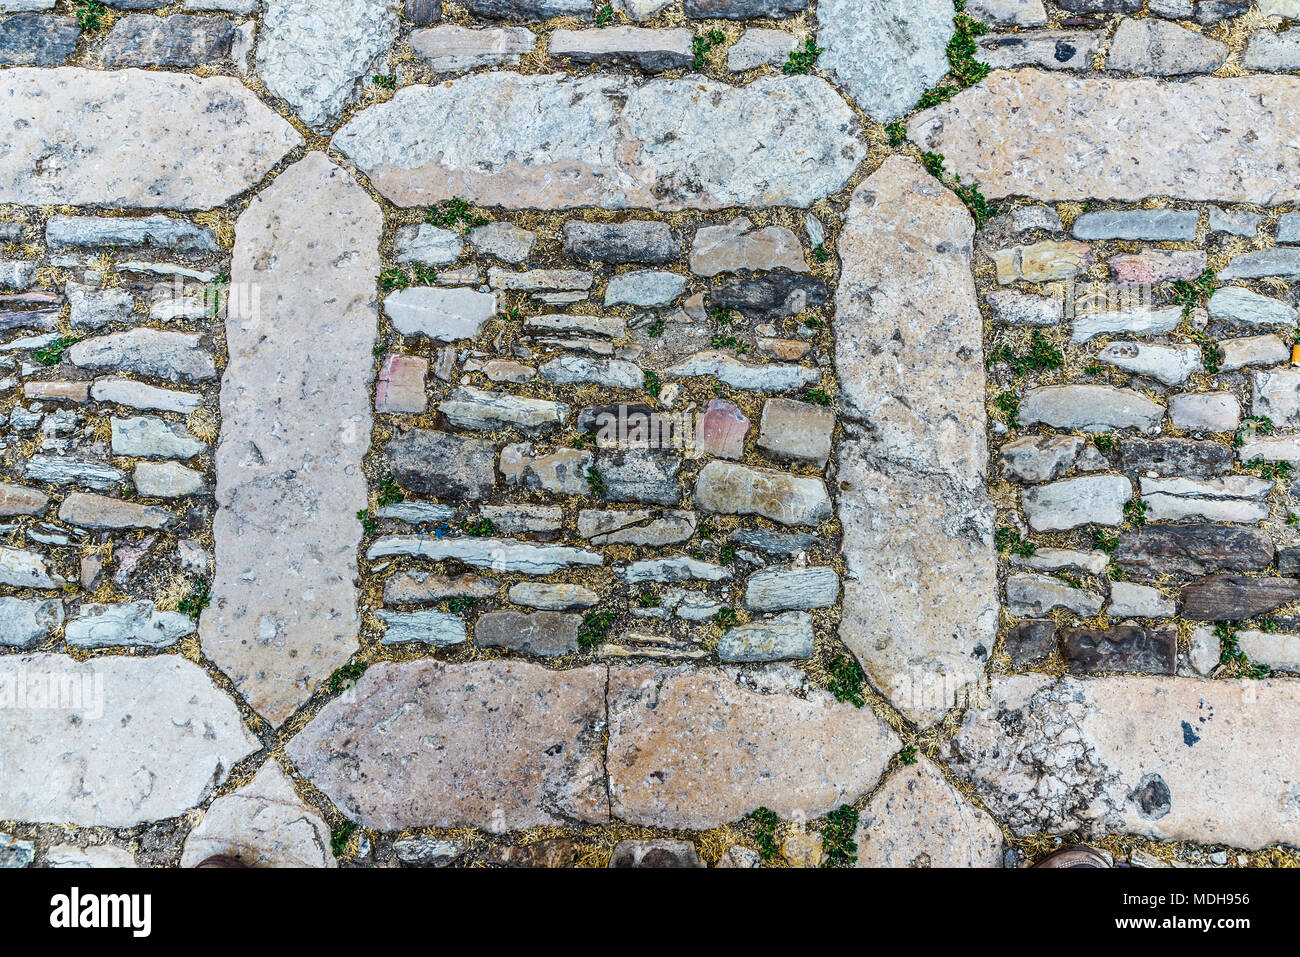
x=702, y=43
x=802, y=58
x=837, y=837
x=847, y=680
x=595, y=628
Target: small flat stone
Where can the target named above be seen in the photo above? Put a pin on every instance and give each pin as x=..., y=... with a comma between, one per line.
x=1071, y=503
x=1154, y=47
x=1189, y=550
x=470, y=408
x=448, y=48
x=772, y=296
x=1039, y=594
x=563, y=472
x=1244, y=307
x=497, y=744
x=739, y=246
x=638, y=47
x=33, y=39
x=1153, y=266
x=1288, y=224
x=731, y=489
x=1235, y=597
x=529, y=9
x=1273, y=52
x=647, y=287
x=1091, y=408
x=167, y=480
x=173, y=356
x=577, y=370
x=1274, y=650
x=92, y=308
x=1051, y=49
x=424, y=588
x=780, y=638
x=1281, y=261
x=548, y=597
x=17, y=500
x=401, y=387
x=501, y=555
x=760, y=47
x=101, y=857
x=505, y=241
x=637, y=527
x=1253, y=351
x=1141, y=321
x=1176, y=456
x=20, y=568
x=1171, y=365
x=148, y=436
x=137, y=624
x=631, y=241
x=1009, y=13
x=1128, y=600
x=1042, y=261
x=72, y=471
x=1030, y=641
x=802, y=589
x=443, y=315
x=1064, y=559
x=109, y=514
x=176, y=41
x=721, y=430
x=1205, y=411
x=1277, y=395
x=437, y=629
x=129, y=232
x=442, y=464
x=1024, y=309
x=1039, y=458
x=1125, y=647
x=262, y=824
x=660, y=854
x=679, y=569
x=423, y=243
x=771, y=377
x=544, y=633
x=1168, y=224
x=28, y=621
x=1234, y=221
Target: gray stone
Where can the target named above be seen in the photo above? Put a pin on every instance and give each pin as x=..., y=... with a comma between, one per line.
x=577, y=370
x=1011, y=13
x=73, y=471
x=1140, y=321
x=1138, y=601
x=37, y=311
x=779, y=589
x=1176, y=456
x=796, y=430
x=1074, y=502
x=636, y=527
x=469, y=408
x=201, y=141
x=92, y=308
x=176, y=41
x=109, y=514
x=497, y=744
x=1283, y=262
x=1237, y=222
x=1171, y=365
x=1091, y=408
x=732, y=489
x=1203, y=651
x=437, y=629
x=884, y=53
x=426, y=851
x=17, y=274
x=1253, y=351
x=423, y=588
x=148, y=436
x=1064, y=559
x=449, y=48
x=174, y=356
x=1030, y=641
x=137, y=624
x=638, y=47
x=529, y=9
x=17, y=500
x=1125, y=647
x=314, y=57
x=502, y=555
x=631, y=241
x=1236, y=597
x=739, y=246
x=422, y=243
x=1244, y=307
x=15, y=853
x=167, y=480
x=1205, y=411
x=1273, y=52
x=544, y=633
x=26, y=621
x=1277, y=395
x=1052, y=49
x=129, y=232
x=780, y=638
x=442, y=464
x=772, y=296
x=759, y=47
x=1197, y=549
x=626, y=145
x=1213, y=11
x=637, y=475
x=680, y=569
x=563, y=472
x=443, y=315
x=1158, y=48
x=159, y=716
x=20, y=568
x=1273, y=650
x=1024, y=309
x=773, y=377
x=1039, y=594
x=33, y=39
x=657, y=854
x=101, y=857
x=1039, y=458
x=1171, y=224
x=648, y=287
x=505, y=241
x=548, y=597
x=1288, y=224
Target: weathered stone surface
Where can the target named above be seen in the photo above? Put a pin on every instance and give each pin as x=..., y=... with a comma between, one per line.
x=770, y=296
x=552, y=597
x=1141, y=601
x=78, y=137
x=419, y=587
x=470, y=408
x=1277, y=651
x=1244, y=307
x=1030, y=641
x=631, y=241
x=166, y=480
x=543, y=633
x=1176, y=456
x=739, y=246
x=1209, y=145
x=262, y=824
x=1170, y=365
x=295, y=423
x=1074, y=502
x=1277, y=395
x=1064, y=559
x=1233, y=498
x=1140, y=321
x=1022, y=309
x=1050, y=49
x=401, y=387
x=438, y=629
x=1253, y=351
x=1016, y=13
x=427, y=851
x=1126, y=647
x=148, y=436
x=110, y=514
x=637, y=47
x=16, y=500
x=26, y=621
x=1158, y=48
x=1042, y=261
x=102, y=856
x=1039, y=458
x=636, y=527
x=1171, y=759
x=770, y=377
x=174, y=356
x=176, y=41
x=130, y=232
x=313, y=56
x=499, y=554
x=796, y=430
x=1205, y=411
x=529, y=9
x=94, y=308
x=1170, y=224
x=58, y=470
x=137, y=624
x=442, y=464
x=1039, y=594
x=575, y=370
x=1273, y=52
x=423, y=243
x=828, y=753
x=884, y=54
x=1235, y=597
x=20, y=568
x=721, y=430
x=778, y=589
x=33, y=39
x=656, y=854
x=563, y=471
x=608, y=142
x=918, y=819
x=1090, y=408
x=773, y=639
x=125, y=740
x=731, y=489
x=1197, y=549
x=494, y=744
x=1152, y=266
x=648, y=287
x=448, y=48
x=34, y=310
x=679, y=569
x=444, y=315
x=759, y=47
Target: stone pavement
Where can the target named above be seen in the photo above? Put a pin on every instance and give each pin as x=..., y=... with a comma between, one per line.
x=673, y=432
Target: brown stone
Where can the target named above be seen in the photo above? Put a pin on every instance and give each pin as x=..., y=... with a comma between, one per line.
x=426, y=588
x=1234, y=597
x=1031, y=641
x=110, y=514
x=557, y=852
x=1042, y=262
x=17, y=500
x=502, y=745
x=78, y=392
x=721, y=430
x=1197, y=549
x=796, y=430
x=543, y=633
x=658, y=854
x=746, y=750
x=1122, y=648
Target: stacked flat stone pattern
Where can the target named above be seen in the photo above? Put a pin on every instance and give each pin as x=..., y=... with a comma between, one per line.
x=422, y=424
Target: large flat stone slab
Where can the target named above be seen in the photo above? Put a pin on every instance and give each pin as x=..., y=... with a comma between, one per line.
x=501, y=745
x=920, y=603
x=295, y=410
x=1173, y=759
x=551, y=141
x=692, y=749
x=1050, y=136
x=112, y=742
x=133, y=139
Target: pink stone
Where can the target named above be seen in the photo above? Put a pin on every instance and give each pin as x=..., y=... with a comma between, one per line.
x=1152, y=266
x=401, y=385
x=722, y=429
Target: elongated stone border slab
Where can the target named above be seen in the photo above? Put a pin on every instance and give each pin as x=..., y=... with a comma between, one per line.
x=296, y=424
x=1049, y=136
x=552, y=141
x=1168, y=758
x=920, y=598
x=112, y=742
x=133, y=139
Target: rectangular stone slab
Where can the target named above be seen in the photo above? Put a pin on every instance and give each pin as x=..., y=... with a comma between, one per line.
x=295, y=424
x=1049, y=136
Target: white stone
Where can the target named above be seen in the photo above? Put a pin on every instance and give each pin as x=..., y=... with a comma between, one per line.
x=1091, y=408
x=150, y=437
x=166, y=480
x=470, y=408
x=1013, y=13
x=574, y=370
x=1205, y=411
x=1138, y=601
x=1064, y=559
x=760, y=47
x=1171, y=365
x=647, y=287
x=132, y=740
x=26, y=621
x=444, y=315
x=1141, y=321
x=174, y=356
x=1276, y=650
x=1235, y=304
x=139, y=395
x=725, y=367
x=1024, y=309
x=1277, y=395
x=102, y=856
x=448, y=48
x=1091, y=499
x=423, y=243
x=499, y=555
x=20, y=568
x=137, y=624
